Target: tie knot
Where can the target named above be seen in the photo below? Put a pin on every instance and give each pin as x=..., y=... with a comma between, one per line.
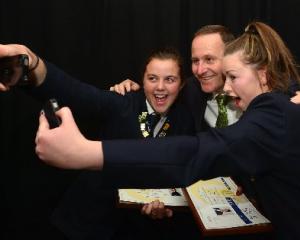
x=153, y=119
x=222, y=99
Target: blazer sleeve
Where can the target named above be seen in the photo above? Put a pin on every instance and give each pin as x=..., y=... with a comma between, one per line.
x=248, y=147
x=84, y=99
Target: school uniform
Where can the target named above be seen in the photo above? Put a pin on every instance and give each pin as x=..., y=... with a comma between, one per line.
x=263, y=145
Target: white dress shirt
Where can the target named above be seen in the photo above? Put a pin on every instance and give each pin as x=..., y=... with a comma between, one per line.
x=161, y=121
x=211, y=112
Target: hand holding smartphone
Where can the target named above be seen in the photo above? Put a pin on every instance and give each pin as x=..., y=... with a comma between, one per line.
x=50, y=108
x=14, y=70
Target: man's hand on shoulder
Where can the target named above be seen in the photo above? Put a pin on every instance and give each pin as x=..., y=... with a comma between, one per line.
x=125, y=86
x=296, y=98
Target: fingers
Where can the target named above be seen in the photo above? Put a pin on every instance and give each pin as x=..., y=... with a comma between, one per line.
x=65, y=115
x=296, y=98
x=3, y=88
x=125, y=86
x=43, y=124
x=239, y=191
x=65, y=146
x=7, y=50
x=169, y=212
x=118, y=88
x=135, y=86
x=112, y=89
x=147, y=208
x=128, y=85
x=156, y=210
x=67, y=119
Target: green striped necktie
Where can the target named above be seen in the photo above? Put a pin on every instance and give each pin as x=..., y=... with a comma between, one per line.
x=222, y=119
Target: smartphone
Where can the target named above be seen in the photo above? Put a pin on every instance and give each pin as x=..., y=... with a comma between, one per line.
x=14, y=70
x=50, y=108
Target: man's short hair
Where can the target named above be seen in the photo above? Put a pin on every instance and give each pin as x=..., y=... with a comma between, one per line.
x=224, y=32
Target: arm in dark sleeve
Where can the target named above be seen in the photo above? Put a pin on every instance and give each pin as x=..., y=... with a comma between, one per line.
x=172, y=161
x=247, y=147
x=81, y=97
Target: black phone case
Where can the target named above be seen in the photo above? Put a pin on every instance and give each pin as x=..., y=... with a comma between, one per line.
x=50, y=108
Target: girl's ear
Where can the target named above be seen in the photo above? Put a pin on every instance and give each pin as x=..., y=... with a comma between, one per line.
x=262, y=74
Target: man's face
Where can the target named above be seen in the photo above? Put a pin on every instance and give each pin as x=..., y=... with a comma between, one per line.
x=207, y=54
x=162, y=84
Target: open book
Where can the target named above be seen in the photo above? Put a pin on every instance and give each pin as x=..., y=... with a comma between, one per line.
x=214, y=203
x=218, y=210
x=173, y=197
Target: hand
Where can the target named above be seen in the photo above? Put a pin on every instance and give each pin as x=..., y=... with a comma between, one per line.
x=37, y=76
x=239, y=191
x=296, y=98
x=156, y=210
x=65, y=146
x=125, y=86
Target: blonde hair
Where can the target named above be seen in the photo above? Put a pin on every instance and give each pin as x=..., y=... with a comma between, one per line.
x=262, y=47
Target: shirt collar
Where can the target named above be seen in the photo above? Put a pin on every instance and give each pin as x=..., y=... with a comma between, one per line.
x=149, y=108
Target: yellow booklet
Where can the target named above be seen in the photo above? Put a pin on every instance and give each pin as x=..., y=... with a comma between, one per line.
x=218, y=209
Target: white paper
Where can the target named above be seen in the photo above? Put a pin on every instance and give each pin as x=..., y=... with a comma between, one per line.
x=219, y=207
x=170, y=197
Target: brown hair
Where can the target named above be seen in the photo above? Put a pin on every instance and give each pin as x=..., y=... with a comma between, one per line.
x=261, y=46
x=166, y=53
x=224, y=32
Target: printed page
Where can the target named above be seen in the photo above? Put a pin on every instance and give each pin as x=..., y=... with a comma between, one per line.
x=218, y=206
x=170, y=197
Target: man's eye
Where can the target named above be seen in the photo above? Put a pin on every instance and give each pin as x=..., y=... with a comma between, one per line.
x=209, y=60
x=195, y=61
x=231, y=77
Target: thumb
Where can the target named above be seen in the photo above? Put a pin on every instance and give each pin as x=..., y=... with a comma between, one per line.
x=66, y=116
x=43, y=125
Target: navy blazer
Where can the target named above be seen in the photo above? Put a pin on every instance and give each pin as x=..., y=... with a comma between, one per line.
x=263, y=144
x=196, y=101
